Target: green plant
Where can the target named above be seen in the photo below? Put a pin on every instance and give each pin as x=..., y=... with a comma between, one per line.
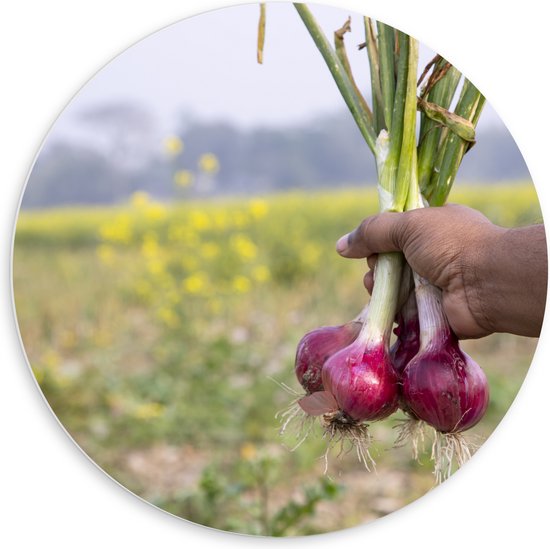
x=243, y=499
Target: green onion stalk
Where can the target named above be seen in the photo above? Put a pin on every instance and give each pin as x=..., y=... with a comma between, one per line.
x=392, y=145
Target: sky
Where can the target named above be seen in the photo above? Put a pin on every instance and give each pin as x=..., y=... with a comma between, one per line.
x=205, y=66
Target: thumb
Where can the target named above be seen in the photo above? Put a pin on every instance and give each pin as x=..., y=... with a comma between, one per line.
x=381, y=233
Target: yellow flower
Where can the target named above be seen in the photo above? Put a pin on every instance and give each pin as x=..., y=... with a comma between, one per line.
x=209, y=163
x=258, y=208
x=244, y=246
x=155, y=212
x=248, y=451
x=195, y=283
x=173, y=145
x=149, y=410
x=118, y=231
x=261, y=273
x=168, y=316
x=311, y=253
x=182, y=233
x=199, y=220
x=221, y=220
x=241, y=284
x=150, y=246
x=183, y=178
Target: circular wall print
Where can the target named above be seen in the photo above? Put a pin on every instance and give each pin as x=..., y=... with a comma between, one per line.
x=195, y=318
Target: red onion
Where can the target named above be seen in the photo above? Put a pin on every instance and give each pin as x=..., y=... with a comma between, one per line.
x=359, y=382
x=313, y=351
x=402, y=352
x=442, y=385
x=408, y=335
x=360, y=385
x=362, y=381
x=316, y=347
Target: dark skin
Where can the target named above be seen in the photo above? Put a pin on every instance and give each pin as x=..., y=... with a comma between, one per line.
x=493, y=279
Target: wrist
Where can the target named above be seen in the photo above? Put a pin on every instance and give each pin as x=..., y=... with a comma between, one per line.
x=480, y=277
x=505, y=283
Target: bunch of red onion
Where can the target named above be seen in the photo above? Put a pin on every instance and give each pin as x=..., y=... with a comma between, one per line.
x=352, y=377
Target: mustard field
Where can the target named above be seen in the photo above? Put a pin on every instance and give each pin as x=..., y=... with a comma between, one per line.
x=160, y=335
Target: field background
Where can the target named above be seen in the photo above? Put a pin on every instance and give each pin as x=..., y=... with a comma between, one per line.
x=158, y=332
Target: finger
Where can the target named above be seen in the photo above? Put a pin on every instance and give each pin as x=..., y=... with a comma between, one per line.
x=368, y=281
x=377, y=234
x=371, y=261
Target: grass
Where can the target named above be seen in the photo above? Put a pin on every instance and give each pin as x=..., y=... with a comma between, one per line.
x=155, y=332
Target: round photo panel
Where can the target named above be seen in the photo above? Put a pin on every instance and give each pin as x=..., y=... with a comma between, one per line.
x=182, y=304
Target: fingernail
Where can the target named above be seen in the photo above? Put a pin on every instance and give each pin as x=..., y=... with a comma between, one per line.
x=342, y=244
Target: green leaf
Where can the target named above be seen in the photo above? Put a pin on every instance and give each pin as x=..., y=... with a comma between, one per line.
x=294, y=512
x=452, y=149
x=431, y=133
x=340, y=48
x=461, y=126
x=386, y=47
x=374, y=64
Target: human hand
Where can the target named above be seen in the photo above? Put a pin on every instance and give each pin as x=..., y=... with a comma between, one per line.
x=492, y=279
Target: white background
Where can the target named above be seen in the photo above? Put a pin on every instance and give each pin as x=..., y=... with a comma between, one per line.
x=50, y=492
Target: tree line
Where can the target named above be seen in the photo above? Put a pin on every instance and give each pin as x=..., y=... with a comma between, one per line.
x=327, y=152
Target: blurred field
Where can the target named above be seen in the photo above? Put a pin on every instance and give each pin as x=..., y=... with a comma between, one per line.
x=156, y=333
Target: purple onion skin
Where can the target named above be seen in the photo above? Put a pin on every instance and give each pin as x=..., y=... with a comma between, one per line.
x=402, y=352
x=362, y=380
x=444, y=387
x=316, y=347
x=407, y=344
